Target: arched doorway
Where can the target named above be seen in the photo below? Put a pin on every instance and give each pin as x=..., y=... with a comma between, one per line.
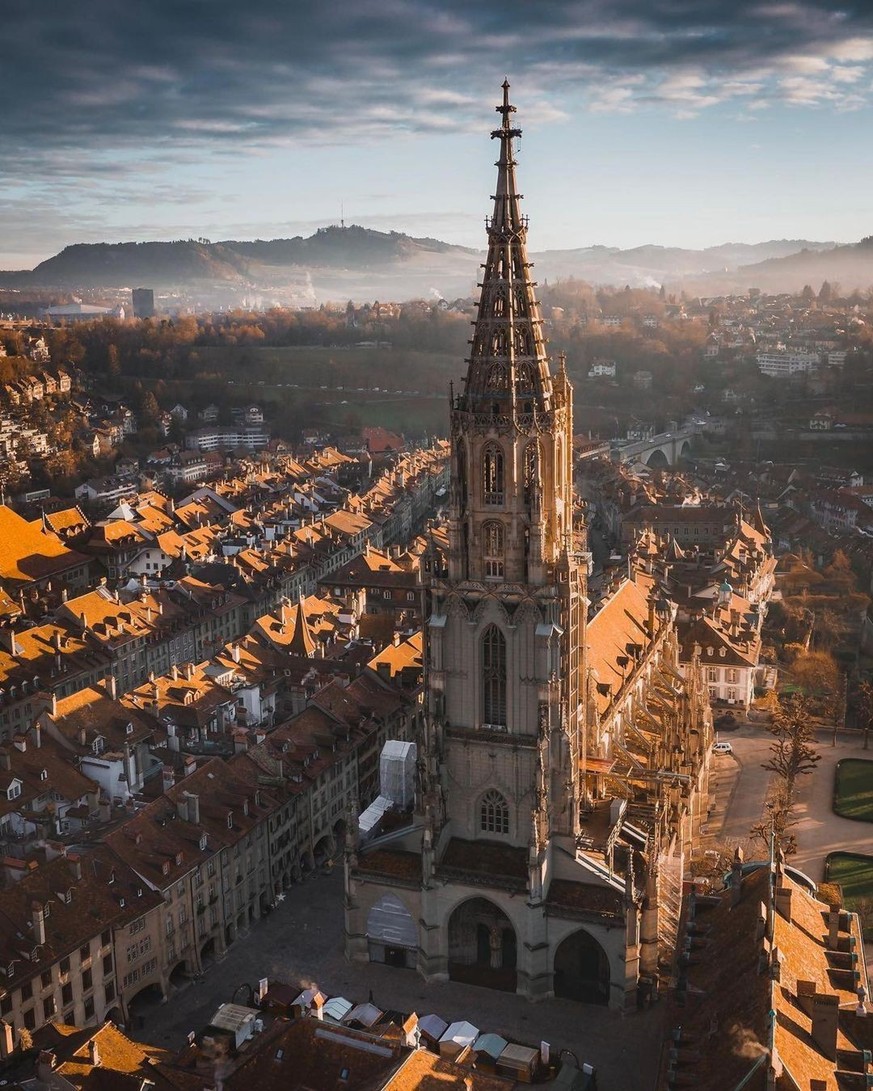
x=142, y=1004
x=582, y=969
x=483, y=947
x=323, y=850
x=179, y=975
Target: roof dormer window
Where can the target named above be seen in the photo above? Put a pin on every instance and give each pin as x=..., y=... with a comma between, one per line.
x=43, y=774
x=230, y=820
x=14, y=790
x=128, y=729
x=203, y=842
x=98, y=744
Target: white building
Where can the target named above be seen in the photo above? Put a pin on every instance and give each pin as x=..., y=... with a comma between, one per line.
x=783, y=362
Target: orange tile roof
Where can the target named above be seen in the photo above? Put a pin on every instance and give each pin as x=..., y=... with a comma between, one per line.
x=28, y=553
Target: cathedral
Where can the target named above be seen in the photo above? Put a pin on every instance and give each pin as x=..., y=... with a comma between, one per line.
x=562, y=754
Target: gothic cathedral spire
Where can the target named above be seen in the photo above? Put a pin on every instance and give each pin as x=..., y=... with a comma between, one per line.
x=512, y=500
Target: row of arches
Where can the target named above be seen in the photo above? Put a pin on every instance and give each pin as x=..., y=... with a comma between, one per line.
x=482, y=948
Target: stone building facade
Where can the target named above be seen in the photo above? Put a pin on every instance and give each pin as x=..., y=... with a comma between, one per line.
x=532, y=862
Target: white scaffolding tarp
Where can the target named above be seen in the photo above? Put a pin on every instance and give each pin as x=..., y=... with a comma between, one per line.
x=397, y=772
x=369, y=819
x=391, y=923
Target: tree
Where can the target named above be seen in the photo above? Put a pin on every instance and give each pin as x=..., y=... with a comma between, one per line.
x=149, y=410
x=113, y=367
x=865, y=708
x=819, y=678
x=793, y=751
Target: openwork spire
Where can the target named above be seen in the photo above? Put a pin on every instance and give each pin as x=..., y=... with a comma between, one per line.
x=508, y=371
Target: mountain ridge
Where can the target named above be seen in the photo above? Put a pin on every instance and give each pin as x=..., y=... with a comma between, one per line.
x=359, y=262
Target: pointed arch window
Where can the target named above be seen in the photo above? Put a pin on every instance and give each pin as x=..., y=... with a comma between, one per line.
x=531, y=471
x=493, y=813
x=461, y=457
x=493, y=677
x=492, y=475
x=493, y=550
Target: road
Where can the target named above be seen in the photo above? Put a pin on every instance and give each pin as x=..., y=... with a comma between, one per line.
x=301, y=941
x=818, y=830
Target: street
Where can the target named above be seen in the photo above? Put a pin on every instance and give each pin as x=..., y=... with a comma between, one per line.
x=818, y=830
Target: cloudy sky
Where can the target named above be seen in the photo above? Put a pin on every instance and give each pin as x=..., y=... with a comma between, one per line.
x=681, y=122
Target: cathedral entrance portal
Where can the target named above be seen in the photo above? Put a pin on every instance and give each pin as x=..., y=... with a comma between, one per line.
x=482, y=945
x=582, y=969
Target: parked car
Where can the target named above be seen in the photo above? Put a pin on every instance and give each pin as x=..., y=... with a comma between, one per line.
x=722, y=748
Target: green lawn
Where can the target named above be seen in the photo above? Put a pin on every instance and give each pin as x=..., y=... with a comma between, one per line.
x=854, y=873
x=853, y=789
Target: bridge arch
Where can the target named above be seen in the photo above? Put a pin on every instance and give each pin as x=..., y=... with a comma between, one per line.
x=657, y=459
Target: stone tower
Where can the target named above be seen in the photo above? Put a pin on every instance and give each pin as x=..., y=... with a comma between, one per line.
x=513, y=872
x=507, y=619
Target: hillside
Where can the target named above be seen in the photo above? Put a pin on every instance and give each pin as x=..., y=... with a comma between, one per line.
x=849, y=266
x=360, y=263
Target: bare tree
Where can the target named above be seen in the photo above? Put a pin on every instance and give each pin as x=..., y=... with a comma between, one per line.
x=793, y=751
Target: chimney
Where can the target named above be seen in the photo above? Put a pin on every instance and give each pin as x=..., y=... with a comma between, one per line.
x=44, y=1065
x=111, y=688
x=737, y=876
x=7, y=1039
x=193, y=808
x=825, y=1017
x=94, y=1052
x=38, y=918
x=190, y=765
x=783, y=901
x=75, y=865
x=234, y=652
x=168, y=778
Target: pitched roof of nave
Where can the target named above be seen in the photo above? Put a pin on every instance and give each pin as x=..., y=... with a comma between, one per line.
x=622, y=621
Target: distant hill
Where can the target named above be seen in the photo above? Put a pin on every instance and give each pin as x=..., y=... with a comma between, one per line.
x=165, y=264
x=360, y=263
x=651, y=265
x=850, y=266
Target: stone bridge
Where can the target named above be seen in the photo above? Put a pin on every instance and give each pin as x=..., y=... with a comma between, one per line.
x=665, y=449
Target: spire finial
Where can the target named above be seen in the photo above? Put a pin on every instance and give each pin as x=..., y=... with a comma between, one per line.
x=505, y=109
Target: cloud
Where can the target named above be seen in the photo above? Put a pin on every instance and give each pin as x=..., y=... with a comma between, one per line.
x=101, y=99
x=163, y=75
